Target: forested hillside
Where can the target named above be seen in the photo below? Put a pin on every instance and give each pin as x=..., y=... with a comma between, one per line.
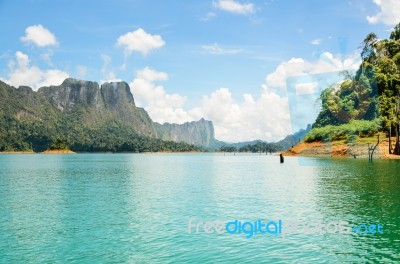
x=79, y=116
x=372, y=95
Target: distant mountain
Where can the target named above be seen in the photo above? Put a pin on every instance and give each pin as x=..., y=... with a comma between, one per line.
x=87, y=117
x=200, y=133
x=294, y=139
x=263, y=146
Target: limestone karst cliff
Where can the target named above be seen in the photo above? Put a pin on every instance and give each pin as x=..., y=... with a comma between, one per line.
x=86, y=104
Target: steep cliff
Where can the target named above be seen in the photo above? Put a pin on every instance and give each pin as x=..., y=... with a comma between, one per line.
x=74, y=93
x=199, y=133
x=76, y=107
x=95, y=105
x=119, y=100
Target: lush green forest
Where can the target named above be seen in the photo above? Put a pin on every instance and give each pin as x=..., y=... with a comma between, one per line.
x=30, y=123
x=259, y=146
x=115, y=136
x=372, y=94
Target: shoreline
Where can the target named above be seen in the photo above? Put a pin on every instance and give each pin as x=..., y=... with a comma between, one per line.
x=312, y=149
x=57, y=151
x=60, y=151
x=338, y=149
x=147, y=153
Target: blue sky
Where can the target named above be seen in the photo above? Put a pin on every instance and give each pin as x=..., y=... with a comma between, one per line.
x=225, y=60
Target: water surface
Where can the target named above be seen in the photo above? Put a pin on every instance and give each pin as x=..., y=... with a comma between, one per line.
x=135, y=208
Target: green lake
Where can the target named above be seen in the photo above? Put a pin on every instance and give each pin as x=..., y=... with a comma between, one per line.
x=136, y=208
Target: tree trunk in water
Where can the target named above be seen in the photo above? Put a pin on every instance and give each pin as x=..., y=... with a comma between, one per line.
x=390, y=139
x=397, y=147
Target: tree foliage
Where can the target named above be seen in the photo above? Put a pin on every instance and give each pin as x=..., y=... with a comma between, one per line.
x=373, y=92
x=30, y=123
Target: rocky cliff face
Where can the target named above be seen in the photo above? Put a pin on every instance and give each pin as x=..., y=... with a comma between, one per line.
x=199, y=133
x=119, y=100
x=73, y=93
x=24, y=103
x=117, y=94
x=92, y=105
x=96, y=104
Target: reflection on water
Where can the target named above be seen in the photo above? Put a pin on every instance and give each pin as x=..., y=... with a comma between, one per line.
x=117, y=208
x=365, y=192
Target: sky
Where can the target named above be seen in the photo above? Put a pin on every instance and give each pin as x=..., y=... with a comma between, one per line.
x=254, y=68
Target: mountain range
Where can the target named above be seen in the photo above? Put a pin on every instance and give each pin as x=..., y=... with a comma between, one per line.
x=85, y=116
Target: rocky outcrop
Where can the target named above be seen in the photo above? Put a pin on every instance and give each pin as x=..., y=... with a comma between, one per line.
x=73, y=93
x=200, y=133
x=93, y=105
x=117, y=95
x=24, y=103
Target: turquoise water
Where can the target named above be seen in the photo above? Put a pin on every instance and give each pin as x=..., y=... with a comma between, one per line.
x=135, y=208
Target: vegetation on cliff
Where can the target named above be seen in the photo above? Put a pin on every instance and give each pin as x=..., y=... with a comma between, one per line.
x=77, y=116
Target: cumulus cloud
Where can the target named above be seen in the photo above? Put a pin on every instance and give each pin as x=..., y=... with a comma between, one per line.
x=151, y=75
x=275, y=111
x=269, y=115
x=306, y=88
x=161, y=106
x=215, y=49
x=235, y=7
x=21, y=72
x=264, y=117
x=327, y=62
x=303, y=81
x=389, y=12
x=140, y=41
x=39, y=35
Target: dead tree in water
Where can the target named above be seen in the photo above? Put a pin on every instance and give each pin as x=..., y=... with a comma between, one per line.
x=371, y=150
x=281, y=158
x=397, y=126
x=390, y=139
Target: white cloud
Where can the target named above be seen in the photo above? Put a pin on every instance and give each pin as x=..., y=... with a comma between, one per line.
x=291, y=67
x=389, y=12
x=22, y=73
x=316, y=41
x=39, y=35
x=151, y=75
x=307, y=80
x=217, y=50
x=140, y=41
x=265, y=117
x=234, y=6
x=268, y=115
x=306, y=88
x=298, y=66
x=161, y=106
